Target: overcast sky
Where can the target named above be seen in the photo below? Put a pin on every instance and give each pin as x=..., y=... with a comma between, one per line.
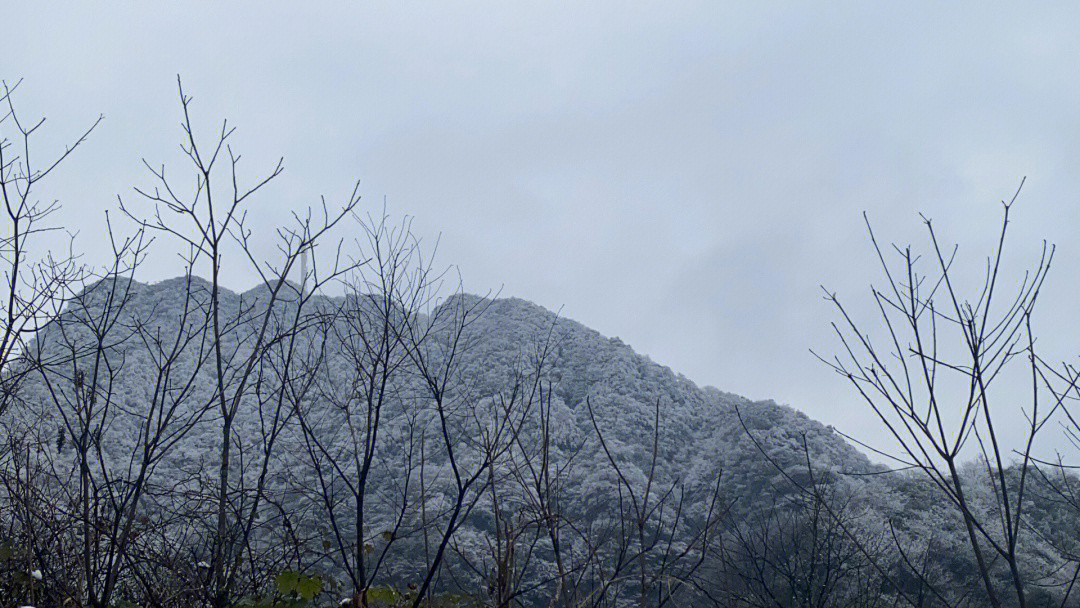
x=683, y=176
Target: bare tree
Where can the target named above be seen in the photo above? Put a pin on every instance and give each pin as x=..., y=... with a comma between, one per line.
x=797, y=553
x=929, y=383
x=207, y=222
x=470, y=440
x=519, y=522
x=656, y=548
x=362, y=433
x=36, y=283
x=33, y=289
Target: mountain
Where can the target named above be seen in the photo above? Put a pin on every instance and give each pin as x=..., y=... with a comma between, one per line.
x=701, y=435
x=700, y=431
x=130, y=365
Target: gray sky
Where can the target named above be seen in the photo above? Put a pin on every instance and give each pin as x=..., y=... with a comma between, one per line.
x=682, y=176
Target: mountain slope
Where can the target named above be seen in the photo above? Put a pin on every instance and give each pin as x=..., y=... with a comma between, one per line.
x=303, y=454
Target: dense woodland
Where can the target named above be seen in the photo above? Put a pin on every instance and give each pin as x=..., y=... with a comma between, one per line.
x=358, y=431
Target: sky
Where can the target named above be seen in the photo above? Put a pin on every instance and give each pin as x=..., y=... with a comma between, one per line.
x=684, y=176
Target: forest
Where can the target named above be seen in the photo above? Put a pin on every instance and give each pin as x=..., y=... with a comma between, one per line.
x=359, y=431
